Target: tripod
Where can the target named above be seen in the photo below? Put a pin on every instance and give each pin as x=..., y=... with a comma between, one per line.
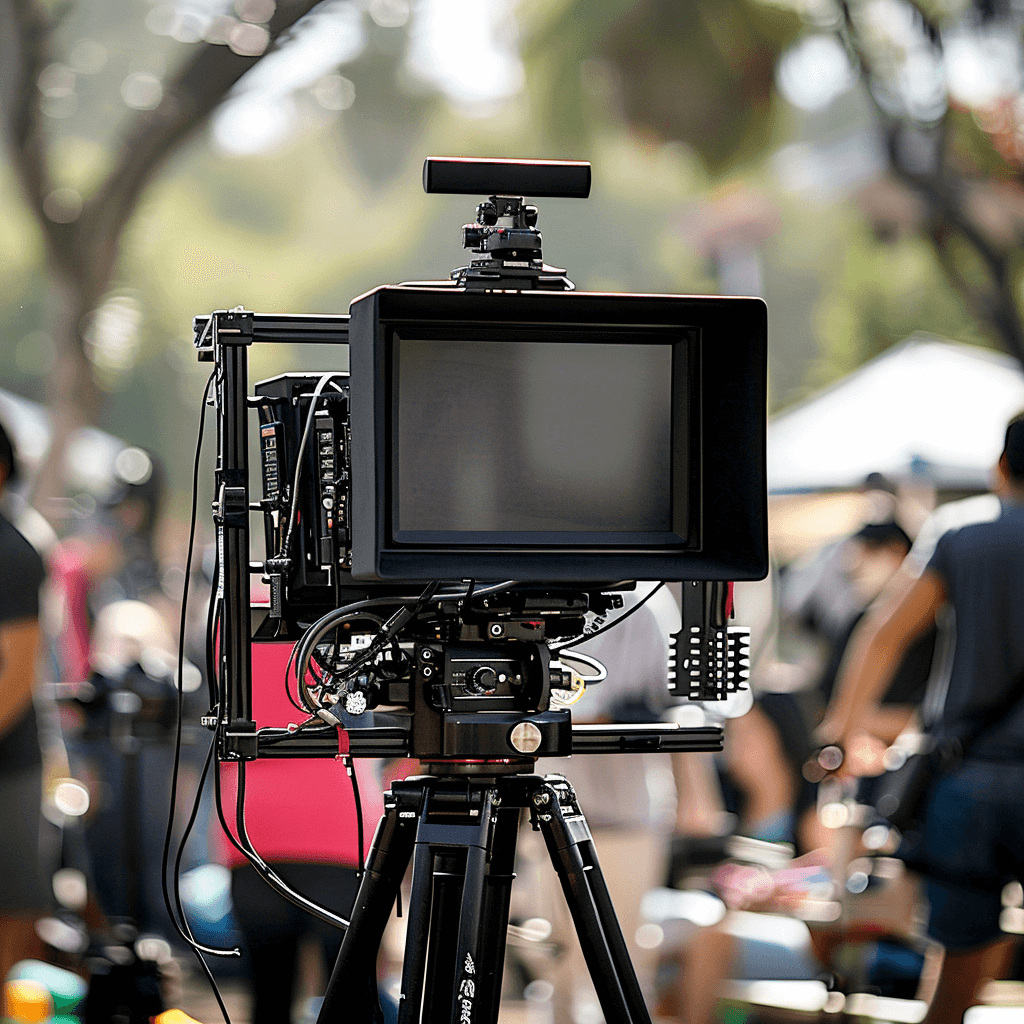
x=460, y=832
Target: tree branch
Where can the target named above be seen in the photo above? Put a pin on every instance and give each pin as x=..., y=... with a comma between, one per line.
x=24, y=52
x=942, y=190
x=995, y=305
x=189, y=99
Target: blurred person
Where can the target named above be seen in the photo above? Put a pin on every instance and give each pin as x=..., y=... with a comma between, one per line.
x=23, y=896
x=820, y=589
x=765, y=747
x=877, y=552
x=111, y=557
x=115, y=646
x=972, y=839
x=866, y=562
x=302, y=818
x=762, y=775
x=617, y=794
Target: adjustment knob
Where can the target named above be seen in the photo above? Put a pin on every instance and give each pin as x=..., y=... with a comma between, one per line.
x=482, y=680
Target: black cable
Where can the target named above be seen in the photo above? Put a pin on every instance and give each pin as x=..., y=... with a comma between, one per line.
x=326, y=622
x=351, y=769
x=266, y=872
x=196, y=947
x=197, y=803
x=392, y=628
x=294, y=497
x=212, y=618
x=303, y=689
x=288, y=693
x=467, y=598
x=608, y=625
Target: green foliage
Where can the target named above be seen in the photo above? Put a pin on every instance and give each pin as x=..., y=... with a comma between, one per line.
x=884, y=292
x=383, y=126
x=562, y=46
x=694, y=71
x=667, y=98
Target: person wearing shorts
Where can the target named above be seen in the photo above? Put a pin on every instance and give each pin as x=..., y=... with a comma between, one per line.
x=22, y=894
x=972, y=840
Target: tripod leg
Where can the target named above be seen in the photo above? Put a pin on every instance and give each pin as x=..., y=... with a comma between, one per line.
x=449, y=877
x=574, y=857
x=414, y=965
x=351, y=996
x=486, y=895
x=472, y=874
x=495, y=900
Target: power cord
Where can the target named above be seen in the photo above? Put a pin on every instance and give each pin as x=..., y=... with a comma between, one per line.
x=183, y=928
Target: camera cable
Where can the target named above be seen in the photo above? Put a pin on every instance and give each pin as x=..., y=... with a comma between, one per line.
x=183, y=928
x=244, y=846
x=305, y=697
x=325, y=623
x=357, y=799
x=293, y=511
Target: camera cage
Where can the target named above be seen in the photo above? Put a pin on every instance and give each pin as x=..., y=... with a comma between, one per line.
x=474, y=682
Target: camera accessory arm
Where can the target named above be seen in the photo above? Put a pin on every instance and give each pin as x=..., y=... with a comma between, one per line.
x=709, y=659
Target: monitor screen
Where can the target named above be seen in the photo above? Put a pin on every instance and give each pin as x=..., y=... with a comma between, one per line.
x=501, y=441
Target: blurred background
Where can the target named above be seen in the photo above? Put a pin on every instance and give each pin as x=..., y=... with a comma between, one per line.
x=856, y=164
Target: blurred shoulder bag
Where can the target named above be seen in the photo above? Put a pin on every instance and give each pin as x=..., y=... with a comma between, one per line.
x=917, y=759
x=911, y=765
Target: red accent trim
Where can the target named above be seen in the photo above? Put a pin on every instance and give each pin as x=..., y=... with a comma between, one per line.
x=728, y=599
x=343, y=746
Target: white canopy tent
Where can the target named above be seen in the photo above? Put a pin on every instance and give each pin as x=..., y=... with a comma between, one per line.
x=88, y=460
x=925, y=410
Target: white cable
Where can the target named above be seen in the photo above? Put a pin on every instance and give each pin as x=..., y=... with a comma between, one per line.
x=586, y=659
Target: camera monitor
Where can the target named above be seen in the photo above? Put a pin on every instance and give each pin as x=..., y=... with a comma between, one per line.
x=557, y=436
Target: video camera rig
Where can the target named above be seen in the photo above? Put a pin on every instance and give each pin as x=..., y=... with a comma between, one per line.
x=504, y=457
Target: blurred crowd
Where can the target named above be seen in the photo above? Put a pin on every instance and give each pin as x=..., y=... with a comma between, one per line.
x=775, y=863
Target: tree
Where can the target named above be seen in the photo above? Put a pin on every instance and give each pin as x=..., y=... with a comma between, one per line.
x=82, y=236
x=694, y=71
x=953, y=144
x=944, y=81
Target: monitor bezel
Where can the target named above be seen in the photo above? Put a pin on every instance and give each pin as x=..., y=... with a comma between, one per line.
x=726, y=514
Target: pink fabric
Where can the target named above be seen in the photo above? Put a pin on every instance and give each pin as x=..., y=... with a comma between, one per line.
x=70, y=580
x=297, y=809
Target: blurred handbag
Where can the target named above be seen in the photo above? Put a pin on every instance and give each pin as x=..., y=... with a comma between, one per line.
x=912, y=763
x=917, y=759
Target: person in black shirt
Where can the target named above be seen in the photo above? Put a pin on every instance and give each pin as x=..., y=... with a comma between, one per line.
x=22, y=895
x=972, y=840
